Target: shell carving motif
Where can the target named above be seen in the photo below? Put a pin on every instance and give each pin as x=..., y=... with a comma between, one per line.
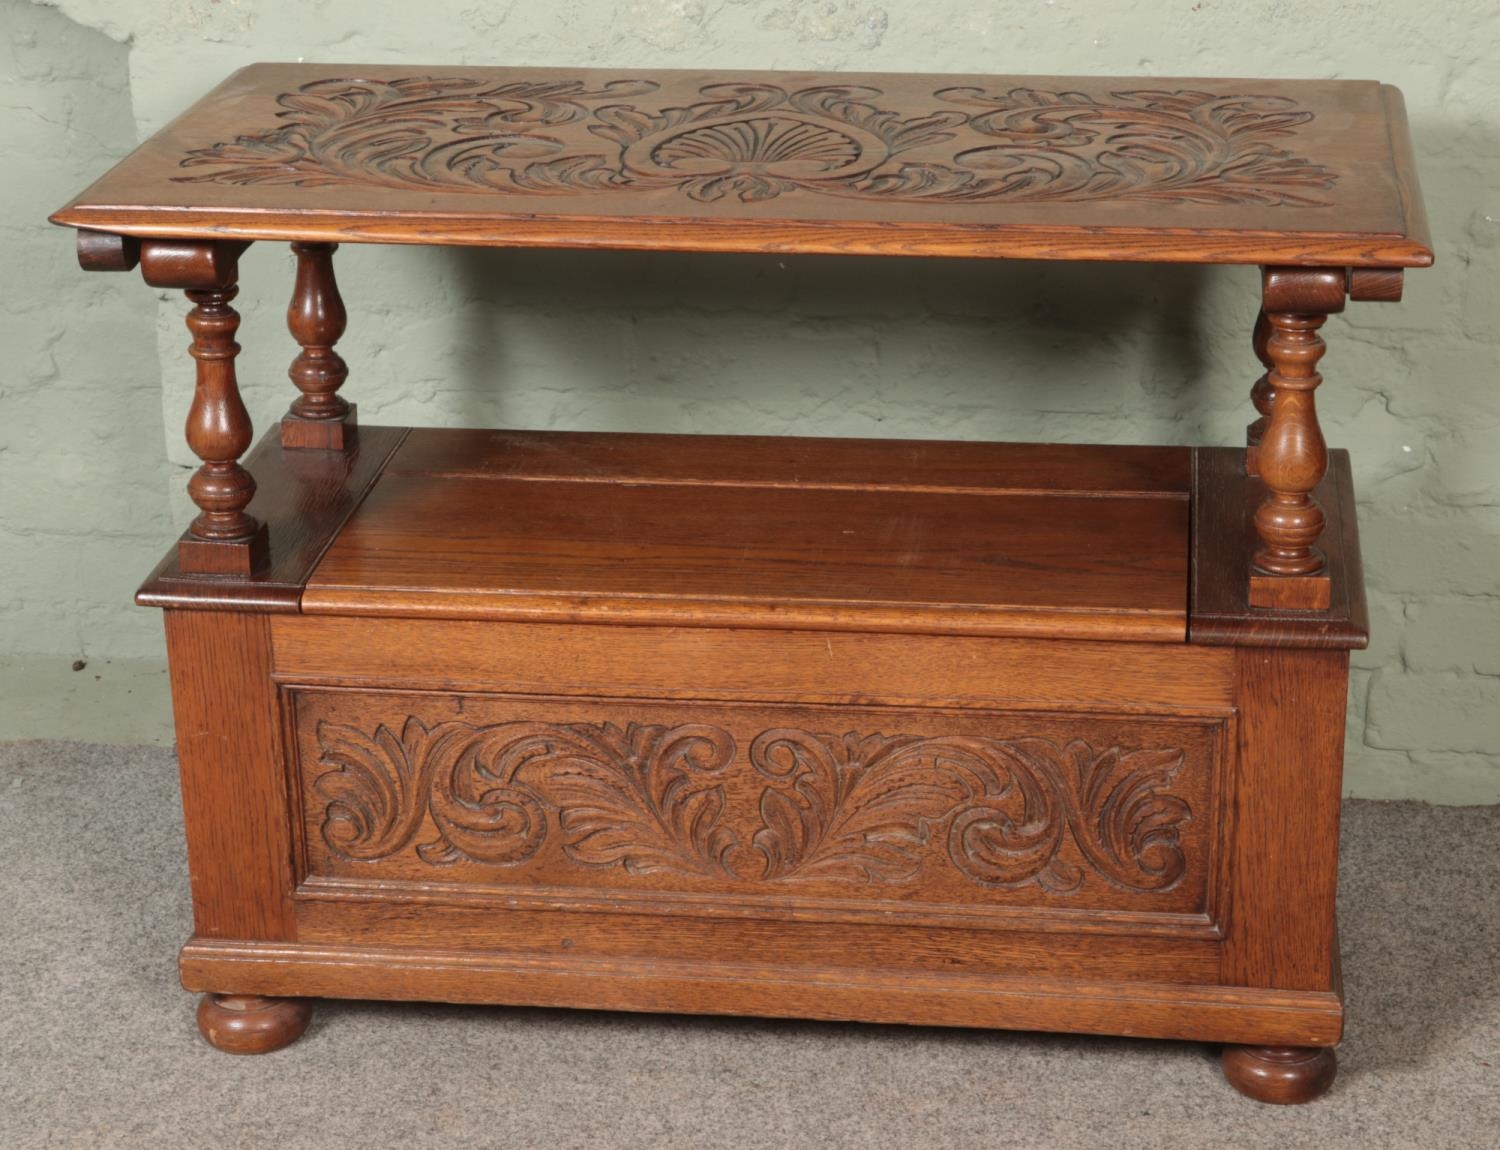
x=766, y=142
x=653, y=798
x=757, y=141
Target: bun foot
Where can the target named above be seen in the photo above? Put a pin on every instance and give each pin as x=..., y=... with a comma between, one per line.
x=1284, y=1075
x=250, y=1024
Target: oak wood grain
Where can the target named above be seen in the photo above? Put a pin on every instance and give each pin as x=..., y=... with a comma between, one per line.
x=235, y=798
x=602, y=660
x=1404, y=164
x=1232, y=171
x=106, y=252
x=481, y=544
x=631, y=931
x=1281, y=929
x=302, y=497
x=219, y=432
x=1288, y=569
x=1213, y=1014
x=469, y=911
x=1281, y=1075
x=319, y=418
x=789, y=461
x=251, y=1024
x=1224, y=503
x=192, y=265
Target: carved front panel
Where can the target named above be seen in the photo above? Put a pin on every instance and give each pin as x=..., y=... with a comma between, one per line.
x=787, y=806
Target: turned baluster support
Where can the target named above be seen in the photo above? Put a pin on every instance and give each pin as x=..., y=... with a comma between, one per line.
x=218, y=426
x=224, y=539
x=1294, y=456
x=1263, y=395
x=1288, y=570
x=319, y=417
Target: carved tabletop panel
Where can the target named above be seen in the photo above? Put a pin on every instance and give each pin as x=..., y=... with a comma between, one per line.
x=757, y=141
x=1201, y=170
x=756, y=802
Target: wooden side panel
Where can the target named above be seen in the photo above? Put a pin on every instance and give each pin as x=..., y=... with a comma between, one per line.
x=234, y=793
x=1284, y=861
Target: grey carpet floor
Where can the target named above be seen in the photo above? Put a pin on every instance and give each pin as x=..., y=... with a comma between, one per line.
x=98, y=1047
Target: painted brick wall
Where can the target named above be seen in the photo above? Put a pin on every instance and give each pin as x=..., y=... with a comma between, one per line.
x=83, y=484
x=811, y=346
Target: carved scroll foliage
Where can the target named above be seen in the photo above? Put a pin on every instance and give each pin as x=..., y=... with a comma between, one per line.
x=866, y=805
x=653, y=798
x=1144, y=145
x=757, y=141
x=1116, y=804
x=645, y=797
x=859, y=805
x=417, y=132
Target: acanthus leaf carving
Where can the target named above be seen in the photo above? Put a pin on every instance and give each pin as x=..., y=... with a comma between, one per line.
x=855, y=805
x=868, y=807
x=376, y=793
x=647, y=798
x=1117, y=805
x=1185, y=147
x=757, y=141
x=644, y=798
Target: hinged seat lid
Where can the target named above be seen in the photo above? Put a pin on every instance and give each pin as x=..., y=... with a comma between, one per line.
x=931, y=537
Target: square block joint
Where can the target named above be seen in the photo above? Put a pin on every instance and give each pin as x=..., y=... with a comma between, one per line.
x=1291, y=592
x=239, y=557
x=320, y=434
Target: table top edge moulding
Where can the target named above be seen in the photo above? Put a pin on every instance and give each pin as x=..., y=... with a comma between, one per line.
x=1303, y=173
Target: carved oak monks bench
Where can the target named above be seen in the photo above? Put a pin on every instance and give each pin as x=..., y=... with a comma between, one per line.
x=994, y=735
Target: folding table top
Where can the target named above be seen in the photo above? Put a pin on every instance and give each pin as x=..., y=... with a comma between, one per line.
x=1172, y=170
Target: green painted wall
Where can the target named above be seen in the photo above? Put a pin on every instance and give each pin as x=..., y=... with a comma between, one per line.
x=93, y=398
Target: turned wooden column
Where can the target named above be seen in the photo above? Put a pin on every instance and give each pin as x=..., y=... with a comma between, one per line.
x=1262, y=394
x=225, y=539
x=319, y=417
x=1287, y=569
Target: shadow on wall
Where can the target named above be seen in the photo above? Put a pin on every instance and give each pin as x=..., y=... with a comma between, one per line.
x=838, y=345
